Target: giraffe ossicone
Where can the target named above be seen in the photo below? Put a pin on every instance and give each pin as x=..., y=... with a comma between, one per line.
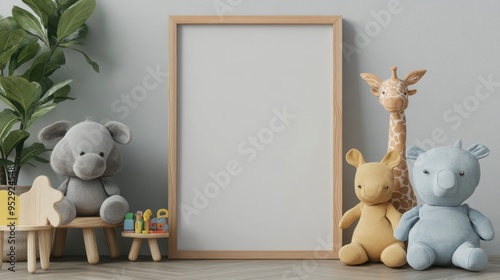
x=393, y=94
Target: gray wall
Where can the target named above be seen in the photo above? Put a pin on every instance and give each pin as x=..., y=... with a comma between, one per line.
x=458, y=98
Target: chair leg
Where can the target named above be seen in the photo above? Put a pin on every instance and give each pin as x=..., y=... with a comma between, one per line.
x=134, y=250
x=44, y=244
x=31, y=252
x=154, y=249
x=59, y=242
x=90, y=245
x=113, y=249
x=1, y=248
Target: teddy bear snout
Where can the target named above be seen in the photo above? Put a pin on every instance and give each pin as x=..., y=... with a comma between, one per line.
x=89, y=166
x=372, y=191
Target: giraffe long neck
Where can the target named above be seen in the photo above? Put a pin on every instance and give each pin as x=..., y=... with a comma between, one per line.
x=403, y=195
x=397, y=134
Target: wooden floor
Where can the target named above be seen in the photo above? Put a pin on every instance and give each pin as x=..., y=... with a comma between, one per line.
x=144, y=268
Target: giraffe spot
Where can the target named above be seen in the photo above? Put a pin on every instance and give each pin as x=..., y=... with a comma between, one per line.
x=405, y=204
x=396, y=204
x=413, y=197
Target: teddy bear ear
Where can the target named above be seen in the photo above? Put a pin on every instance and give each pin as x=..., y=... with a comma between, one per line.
x=414, y=152
x=54, y=132
x=355, y=158
x=119, y=132
x=479, y=150
x=391, y=159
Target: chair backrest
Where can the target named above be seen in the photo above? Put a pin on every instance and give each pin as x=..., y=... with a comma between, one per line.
x=38, y=204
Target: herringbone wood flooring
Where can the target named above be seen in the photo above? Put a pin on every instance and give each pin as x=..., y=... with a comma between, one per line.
x=144, y=268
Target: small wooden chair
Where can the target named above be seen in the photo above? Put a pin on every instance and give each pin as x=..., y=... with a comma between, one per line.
x=88, y=226
x=36, y=215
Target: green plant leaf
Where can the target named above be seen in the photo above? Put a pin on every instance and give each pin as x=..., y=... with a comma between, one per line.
x=32, y=152
x=41, y=68
x=54, y=89
x=94, y=64
x=42, y=160
x=6, y=101
x=6, y=162
x=19, y=92
x=73, y=18
x=62, y=5
x=62, y=94
x=14, y=138
x=8, y=24
x=29, y=23
x=9, y=43
x=39, y=111
x=27, y=42
x=27, y=53
x=7, y=120
x=43, y=8
x=73, y=38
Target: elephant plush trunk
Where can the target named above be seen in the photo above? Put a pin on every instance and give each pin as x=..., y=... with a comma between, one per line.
x=89, y=166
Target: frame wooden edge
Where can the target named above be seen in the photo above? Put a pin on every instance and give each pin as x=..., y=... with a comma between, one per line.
x=174, y=21
x=337, y=142
x=172, y=138
x=257, y=255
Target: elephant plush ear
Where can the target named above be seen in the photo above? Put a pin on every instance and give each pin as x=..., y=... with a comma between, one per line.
x=479, y=150
x=414, y=152
x=54, y=132
x=120, y=132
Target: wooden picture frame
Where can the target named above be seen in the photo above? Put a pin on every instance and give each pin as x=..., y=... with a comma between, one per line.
x=255, y=137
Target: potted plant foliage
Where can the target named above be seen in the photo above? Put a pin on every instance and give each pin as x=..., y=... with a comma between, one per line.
x=32, y=48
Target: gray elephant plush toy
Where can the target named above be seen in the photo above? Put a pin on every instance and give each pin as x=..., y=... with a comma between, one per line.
x=88, y=155
x=442, y=230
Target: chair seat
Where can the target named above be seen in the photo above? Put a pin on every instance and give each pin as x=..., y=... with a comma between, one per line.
x=89, y=222
x=88, y=226
x=26, y=228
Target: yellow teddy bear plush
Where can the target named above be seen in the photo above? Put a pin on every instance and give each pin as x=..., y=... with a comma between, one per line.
x=373, y=239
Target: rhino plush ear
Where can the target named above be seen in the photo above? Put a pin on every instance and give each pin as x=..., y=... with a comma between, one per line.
x=414, y=152
x=120, y=132
x=54, y=132
x=479, y=151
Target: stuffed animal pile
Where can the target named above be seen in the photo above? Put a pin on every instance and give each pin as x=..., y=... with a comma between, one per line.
x=373, y=238
x=87, y=155
x=443, y=230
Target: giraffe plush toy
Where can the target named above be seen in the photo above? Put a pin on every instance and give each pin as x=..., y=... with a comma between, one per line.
x=393, y=94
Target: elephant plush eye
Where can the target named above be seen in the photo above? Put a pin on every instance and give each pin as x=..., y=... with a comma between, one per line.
x=101, y=154
x=405, y=93
x=359, y=186
x=386, y=187
x=425, y=171
x=82, y=153
x=462, y=173
x=383, y=92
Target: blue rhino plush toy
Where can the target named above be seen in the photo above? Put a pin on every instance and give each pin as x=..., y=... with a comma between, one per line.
x=442, y=230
